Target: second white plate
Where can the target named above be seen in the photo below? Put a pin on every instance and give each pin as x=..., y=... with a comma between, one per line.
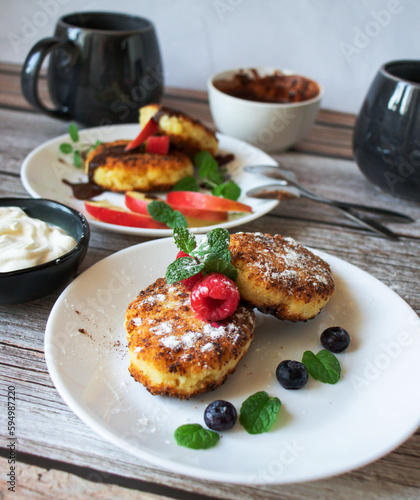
x=321, y=430
x=42, y=175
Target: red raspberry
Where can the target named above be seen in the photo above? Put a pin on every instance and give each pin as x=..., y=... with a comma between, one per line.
x=215, y=297
x=189, y=282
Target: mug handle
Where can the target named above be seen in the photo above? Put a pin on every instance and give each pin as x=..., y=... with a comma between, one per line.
x=30, y=74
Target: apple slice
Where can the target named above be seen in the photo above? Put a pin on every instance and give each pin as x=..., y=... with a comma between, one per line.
x=158, y=144
x=192, y=199
x=149, y=129
x=105, y=212
x=198, y=213
x=137, y=202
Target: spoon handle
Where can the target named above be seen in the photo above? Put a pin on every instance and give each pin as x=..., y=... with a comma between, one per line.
x=375, y=210
x=361, y=219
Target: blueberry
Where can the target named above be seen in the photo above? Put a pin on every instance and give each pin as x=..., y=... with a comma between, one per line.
x=220, y=415
x=292, y=374
x=335, y=339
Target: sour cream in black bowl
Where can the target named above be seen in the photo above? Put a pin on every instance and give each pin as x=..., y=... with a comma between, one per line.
x=39, y=259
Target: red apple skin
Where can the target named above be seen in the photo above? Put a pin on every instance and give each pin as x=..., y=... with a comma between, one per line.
x=158, y=144
x=137, y=202
x=149, y=129
x=192, y=199
x=111, y=214
x=198, y=213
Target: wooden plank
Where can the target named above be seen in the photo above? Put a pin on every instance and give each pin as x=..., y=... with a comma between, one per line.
x=38, y=483
x=336, y=118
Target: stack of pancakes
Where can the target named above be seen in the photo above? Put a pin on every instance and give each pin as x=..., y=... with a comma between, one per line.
x=173, y=352
x=112, y=168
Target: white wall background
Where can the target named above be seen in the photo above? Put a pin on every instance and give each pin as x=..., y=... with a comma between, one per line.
x=340, y=43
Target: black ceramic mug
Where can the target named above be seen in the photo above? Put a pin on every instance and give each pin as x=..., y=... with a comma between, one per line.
x=103, y=66
x=387, y=132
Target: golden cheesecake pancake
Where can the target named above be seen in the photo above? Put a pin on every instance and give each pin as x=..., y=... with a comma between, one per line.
x=279, y=276
x=175, y=353
x=186, y=133
x=114, y=169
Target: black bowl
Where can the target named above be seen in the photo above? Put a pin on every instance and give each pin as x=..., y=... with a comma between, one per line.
x=24, y=285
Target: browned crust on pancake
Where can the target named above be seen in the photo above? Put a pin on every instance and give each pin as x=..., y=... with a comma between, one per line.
x=279, y=276
x=165, y=335
x=160, y=172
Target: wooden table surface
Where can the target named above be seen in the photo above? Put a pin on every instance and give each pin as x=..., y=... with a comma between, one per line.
x=58, y=455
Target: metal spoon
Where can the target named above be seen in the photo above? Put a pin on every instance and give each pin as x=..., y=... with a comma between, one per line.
x=287, y=177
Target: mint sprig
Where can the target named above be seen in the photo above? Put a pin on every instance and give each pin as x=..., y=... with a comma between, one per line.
x=184, y=240
x=194, y=436
x=323, y=366
x=212, y=177
x=209, y=172
x=162, y=212
x=259, y=412
x=78, y=151
x=212, y=254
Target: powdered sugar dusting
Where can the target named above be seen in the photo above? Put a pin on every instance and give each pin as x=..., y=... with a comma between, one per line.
x=172, y=342
x=162, y=328
x=289, y=262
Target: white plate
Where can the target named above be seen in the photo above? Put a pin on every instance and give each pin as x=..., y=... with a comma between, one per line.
x=322, y=429
x=42, y=175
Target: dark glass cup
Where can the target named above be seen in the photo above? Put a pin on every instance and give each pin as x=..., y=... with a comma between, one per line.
x=103, y=66
x=387, y=133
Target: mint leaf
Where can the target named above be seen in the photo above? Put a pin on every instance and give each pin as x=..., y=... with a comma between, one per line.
x=217, y=190
x=177, y=220
x=259, y=412
x=194, y=436
x=221, y=266
x=73, y=132
x=77, y=159
x=215, y=245
x=230, y=190
x=162, y=212
x=324, y=366
x=187, y=184
x=202, y=157
x=66, y=148
x=214, y=178
x=208, y=167
x=184, y=240
x=181, y=269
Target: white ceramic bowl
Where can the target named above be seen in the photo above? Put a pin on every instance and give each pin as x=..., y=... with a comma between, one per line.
x=272, y=127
